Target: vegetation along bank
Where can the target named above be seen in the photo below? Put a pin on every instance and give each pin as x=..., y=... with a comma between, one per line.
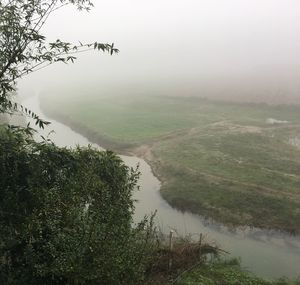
x=237, y=163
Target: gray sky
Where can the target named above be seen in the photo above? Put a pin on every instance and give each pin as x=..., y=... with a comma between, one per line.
x=240, y=49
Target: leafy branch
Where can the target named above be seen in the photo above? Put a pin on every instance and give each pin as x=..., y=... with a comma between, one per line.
x=23, y=49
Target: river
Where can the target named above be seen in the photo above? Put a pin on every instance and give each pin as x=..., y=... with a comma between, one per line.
x=265, y=253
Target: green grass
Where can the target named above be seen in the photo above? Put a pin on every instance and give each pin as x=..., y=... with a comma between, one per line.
x=139, y=119
x=132, y=121
x=225, y=273
x=218, y=159
x=240, y=178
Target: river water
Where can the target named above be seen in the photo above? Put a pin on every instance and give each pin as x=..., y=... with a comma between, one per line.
x=267, y=254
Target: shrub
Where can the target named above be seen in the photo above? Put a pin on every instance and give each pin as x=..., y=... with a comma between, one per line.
x=66, y=215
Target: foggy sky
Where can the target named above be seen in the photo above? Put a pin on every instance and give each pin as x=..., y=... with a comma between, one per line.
x=231, y=49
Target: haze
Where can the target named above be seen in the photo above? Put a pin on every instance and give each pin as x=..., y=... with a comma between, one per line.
x=245, y=50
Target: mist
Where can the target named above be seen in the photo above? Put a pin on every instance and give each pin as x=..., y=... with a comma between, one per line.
x=231, y=50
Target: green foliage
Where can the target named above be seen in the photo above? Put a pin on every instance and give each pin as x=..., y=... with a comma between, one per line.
x=225, y=273
x=23, y=49
x=66, y=216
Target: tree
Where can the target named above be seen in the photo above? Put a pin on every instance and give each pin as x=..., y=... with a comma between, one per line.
x=23, y=49
x=65, y=215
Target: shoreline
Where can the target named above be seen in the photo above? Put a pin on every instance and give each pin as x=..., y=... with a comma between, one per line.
x=144, y=152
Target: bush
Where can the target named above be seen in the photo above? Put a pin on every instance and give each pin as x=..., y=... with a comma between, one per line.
x=66, y=215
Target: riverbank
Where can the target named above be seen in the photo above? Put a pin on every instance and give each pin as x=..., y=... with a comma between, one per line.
x=268, y=254
x=212, y=167
x=228, y=272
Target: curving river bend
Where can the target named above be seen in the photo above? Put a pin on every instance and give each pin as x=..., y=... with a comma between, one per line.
x=267, y=254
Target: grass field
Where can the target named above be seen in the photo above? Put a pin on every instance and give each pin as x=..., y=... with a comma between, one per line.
x=225, y=273
x=221, y=160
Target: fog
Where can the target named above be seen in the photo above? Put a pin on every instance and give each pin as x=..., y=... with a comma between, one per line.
x=246, y=50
